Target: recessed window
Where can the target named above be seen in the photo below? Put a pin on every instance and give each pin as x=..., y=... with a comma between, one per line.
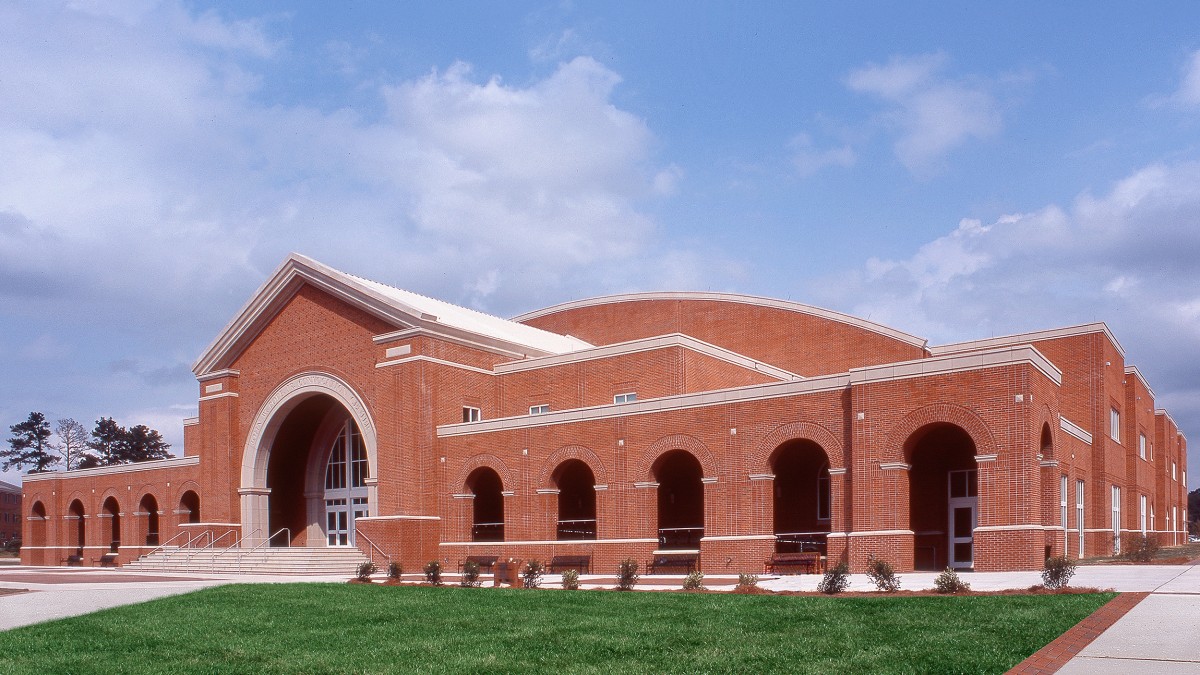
x=471, y=414
x=625, y=398
x=1142, y=446
x=1114, y=429
x=1173, y=471
x=539, y=409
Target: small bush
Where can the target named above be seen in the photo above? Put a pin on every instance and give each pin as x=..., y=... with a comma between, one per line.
x=694, y=581
x=1057, y=572
x=365, y=569
x=881, y=574
x=395, y=571
x=433, y=572
x=1141, y=548
x=470, y=575
x=747, y=580
x=627, y=574
x=570, y=580
x=948, y=582
x=532, y=574
x=836, y=579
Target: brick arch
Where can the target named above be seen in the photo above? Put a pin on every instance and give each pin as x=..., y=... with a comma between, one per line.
x=959, y=416
x=116, y=495
x=566, y=452
x=79, y=496
x=708, y=464
x=507, y=479
x=153, y=491
x=760, y=459
x=1048, y=418
x=186, y=486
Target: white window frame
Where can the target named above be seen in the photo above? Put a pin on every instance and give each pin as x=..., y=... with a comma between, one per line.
x=627, y=397
x=1062, y=506
x=1116, y=518
x=1173, y=472
x=1142, y=513
x=1080, y=489
x=539, y=409
x=1142, y=445
x=1114, y=429
x=472, y=413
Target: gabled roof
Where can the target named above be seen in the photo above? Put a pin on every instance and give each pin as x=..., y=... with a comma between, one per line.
x=400, y=308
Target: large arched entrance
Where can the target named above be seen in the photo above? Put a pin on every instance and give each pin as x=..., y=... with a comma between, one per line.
x=112, y=511
x=487, y=506
x=76, y=513
x=309, y=465
x=189, y=507
x=801, y=497
x=680, y=500
x=148, y=511
x=576, y=500
x=943, y=496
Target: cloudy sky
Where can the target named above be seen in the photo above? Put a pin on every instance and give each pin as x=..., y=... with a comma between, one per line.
x=955, y=170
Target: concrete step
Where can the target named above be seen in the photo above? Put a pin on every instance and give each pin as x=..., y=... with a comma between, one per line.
x=304, y=561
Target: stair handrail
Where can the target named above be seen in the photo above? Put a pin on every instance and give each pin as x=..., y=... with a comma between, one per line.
x=210, y=546
x=166, y=544
x=370, y=555
x=242, y=555
x=237, y=545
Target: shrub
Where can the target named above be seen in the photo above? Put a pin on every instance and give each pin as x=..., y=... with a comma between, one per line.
x=470, y=575
x=881, y=574
x=836, y=579
x=627, y=574
x=570, y=580
x=747, y=580
x=948, y=582
x=1057, y=572
x=395, y=571
x=433, y=572
x=532, y=574
x=1141, y=548
x=13, y=545
x=694, y=581
x=365, y=569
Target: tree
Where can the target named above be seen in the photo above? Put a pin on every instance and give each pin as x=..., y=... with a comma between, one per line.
x=143, y=444
x=29, y=445
x=114, y=444
x=72, y=441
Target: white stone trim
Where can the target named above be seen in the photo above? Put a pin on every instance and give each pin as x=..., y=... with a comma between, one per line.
x=399, y=518
x=646, y=484
x=1004, y=528
x=214, y=387
x=409, y=333
x=1133, y=370
x=957, y=363
x=440, y=362
x=549, y=542
x=708, y=480
x=762, y=476
x=738, y=537
x=191, y=421
x=508, y=493
x=646, y=345
x=224, y=394
x=1048, y=463
x=548, y=491
x=879, y=533
x=979, y=459
x=837, y=471
x=1025, y=338
x=203, y=525
x=463, y=495
x=228, y=372
x=772, y=303
x=836, y=535
x=399, y=350
x=1074, y=430
x=171, y=463
x=895, y=466
x=599, y=488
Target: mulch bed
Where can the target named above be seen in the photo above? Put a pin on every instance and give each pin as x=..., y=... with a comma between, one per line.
x=12, y=591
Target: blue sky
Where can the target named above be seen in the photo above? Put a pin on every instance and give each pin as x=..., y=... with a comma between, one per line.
x=955, y=170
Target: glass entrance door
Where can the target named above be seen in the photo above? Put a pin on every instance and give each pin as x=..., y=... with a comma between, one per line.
x=345, y=486
x=963, y=517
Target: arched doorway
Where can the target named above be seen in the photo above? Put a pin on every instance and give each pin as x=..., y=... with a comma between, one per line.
x=76, y=513
x=680, y=500
x=148, y=510
x=576, y=500
x=189, y=507
x=487, y=507
x=308, y=465
x=112, y=511
x=802, y=498
x=37, y=532
x=943, y=496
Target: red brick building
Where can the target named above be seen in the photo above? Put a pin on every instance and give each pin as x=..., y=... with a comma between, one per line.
x=10, y=512
x=336, y=411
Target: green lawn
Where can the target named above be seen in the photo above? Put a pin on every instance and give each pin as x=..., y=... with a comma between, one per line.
x=314, y=628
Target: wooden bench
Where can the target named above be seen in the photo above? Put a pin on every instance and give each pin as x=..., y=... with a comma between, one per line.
x=485, y=562
x=677, y=563
x=73, y=560
x=579, y=563
x=106, y=560
x=808, y=563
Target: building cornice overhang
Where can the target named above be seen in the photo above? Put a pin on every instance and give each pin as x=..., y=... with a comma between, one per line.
x=758, y=301
x=298, y=270
x=171, y=463
x=1133, y=370
x=1167, y=415
x=1025, y=338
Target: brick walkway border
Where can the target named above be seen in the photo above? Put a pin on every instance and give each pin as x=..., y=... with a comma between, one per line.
x=1055, y=655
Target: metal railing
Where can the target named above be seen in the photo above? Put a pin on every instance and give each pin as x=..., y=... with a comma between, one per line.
x=487, y=532
x=162, y=548
x=265, y=542
x=686, y=538
x=208, y=547
x=581, y=529
x=800, y=542
x=232, y=547
x=387, y=559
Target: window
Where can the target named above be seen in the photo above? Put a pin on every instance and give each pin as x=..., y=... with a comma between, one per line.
x=471, y=414
x=625, y=398
x=823, y=495
x=1173, y=471
x=1116, y=518
x=1062, y=509
x=539, y=409
x=1114, y=427
x=1142, y=446
x=1079, y=513
x=1142, y=513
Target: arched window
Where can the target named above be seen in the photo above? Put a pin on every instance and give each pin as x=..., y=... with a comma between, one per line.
x=487, y=522
x=576, y=500
x=346, y=475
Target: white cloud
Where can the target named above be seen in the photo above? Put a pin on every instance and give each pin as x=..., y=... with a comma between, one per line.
x=808, y=159
x=931, y=113
x=1188, y=93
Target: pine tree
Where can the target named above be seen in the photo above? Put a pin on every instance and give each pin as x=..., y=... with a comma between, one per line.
x=107, y=444
x=29, y=445
x=143, y=444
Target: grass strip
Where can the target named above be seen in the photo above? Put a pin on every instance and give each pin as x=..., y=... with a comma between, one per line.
x=335, y=628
